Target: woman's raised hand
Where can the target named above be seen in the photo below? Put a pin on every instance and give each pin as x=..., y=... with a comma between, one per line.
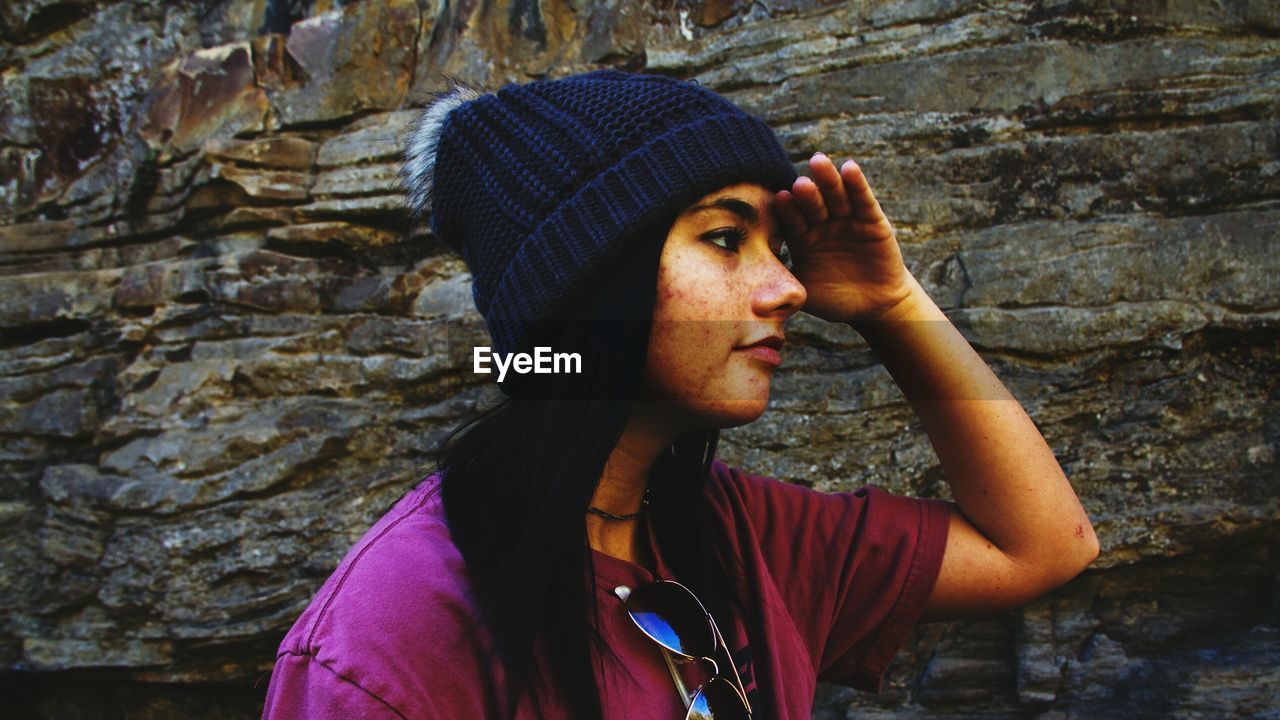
x=843, y=249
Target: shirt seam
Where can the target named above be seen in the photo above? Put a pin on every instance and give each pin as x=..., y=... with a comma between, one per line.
x=324, y=609
x=351, y=681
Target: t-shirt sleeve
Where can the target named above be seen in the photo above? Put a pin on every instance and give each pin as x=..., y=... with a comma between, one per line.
x=389, y=634
x=302, y=687
x=854, y=568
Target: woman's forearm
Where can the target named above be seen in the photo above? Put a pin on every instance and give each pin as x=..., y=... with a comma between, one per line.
x=1003, y=476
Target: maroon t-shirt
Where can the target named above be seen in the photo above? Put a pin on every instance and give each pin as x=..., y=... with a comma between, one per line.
x=843, y=577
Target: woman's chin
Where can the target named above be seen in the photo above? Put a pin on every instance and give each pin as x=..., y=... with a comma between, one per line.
x=718, y=417
x=732, y=414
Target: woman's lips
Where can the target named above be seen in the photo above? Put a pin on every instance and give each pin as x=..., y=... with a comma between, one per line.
x=764, y=353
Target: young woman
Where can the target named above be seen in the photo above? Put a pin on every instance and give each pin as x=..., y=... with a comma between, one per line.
x=579, y=552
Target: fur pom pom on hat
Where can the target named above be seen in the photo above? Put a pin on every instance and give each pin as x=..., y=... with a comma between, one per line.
x=540, y=185
x=419, y=151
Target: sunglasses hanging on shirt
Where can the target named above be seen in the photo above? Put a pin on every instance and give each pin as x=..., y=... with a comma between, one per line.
x=672, y=616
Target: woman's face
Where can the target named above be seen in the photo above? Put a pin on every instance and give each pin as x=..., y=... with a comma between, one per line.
x=721, y=287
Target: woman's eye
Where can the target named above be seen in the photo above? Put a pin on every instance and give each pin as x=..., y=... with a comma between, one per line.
x=733, y=238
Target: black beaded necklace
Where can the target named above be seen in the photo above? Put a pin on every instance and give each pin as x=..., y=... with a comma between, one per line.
x=643, y=504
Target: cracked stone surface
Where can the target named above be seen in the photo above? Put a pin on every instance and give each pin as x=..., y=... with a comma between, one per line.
x=225, y=351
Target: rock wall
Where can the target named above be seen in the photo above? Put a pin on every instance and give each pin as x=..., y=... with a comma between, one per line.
x=226, y=352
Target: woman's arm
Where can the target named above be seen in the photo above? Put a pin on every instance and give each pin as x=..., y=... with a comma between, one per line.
x=1017, y=528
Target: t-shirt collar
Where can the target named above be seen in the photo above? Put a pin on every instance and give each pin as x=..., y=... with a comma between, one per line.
x=616, y=571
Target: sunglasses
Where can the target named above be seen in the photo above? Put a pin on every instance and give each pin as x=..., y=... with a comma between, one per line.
x=672, y=616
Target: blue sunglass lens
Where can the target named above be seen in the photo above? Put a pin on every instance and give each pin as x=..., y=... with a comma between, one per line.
x=674, y=617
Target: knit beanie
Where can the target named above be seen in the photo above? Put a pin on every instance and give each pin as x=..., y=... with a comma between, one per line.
x=540, y=185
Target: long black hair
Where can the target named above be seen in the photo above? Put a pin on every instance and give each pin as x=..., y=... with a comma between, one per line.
x=518, y=477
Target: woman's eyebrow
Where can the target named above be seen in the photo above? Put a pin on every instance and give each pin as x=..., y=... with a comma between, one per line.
x=739, y=207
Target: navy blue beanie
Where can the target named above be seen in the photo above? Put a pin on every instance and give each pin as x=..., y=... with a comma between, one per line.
x=540, y=185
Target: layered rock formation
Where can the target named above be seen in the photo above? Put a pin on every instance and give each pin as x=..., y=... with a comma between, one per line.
x=226, y=352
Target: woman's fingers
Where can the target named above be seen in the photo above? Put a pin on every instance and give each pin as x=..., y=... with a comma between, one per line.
x=828, y=180
x=793, y=221
x=829, y=193
x=810, y=201
x=864, y=204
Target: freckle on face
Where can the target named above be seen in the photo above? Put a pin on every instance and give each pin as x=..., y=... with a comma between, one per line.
x=703, y=312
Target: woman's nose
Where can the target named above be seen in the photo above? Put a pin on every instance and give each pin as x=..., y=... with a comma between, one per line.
x=778, y=289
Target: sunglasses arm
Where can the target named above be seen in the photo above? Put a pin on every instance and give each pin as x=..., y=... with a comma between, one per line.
x=737, y=681
x=675, y=676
